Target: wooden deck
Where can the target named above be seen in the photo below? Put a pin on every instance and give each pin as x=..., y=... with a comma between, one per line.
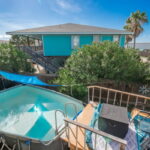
x=84, y=118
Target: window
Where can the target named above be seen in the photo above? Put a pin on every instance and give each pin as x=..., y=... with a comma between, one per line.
x=95, y=38
x=116, y=38
x=75, y=41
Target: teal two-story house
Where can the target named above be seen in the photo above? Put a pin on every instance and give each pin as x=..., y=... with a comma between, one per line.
x=61, y=40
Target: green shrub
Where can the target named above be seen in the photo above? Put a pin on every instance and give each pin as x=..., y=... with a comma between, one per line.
x=14, y=60
x=105, y=60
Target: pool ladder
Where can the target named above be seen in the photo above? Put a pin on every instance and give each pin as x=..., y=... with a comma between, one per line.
x=64, y=115
x=56, y=126
x=75, y=108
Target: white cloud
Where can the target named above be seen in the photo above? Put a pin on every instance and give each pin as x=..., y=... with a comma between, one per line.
x=4, y=37
x=64, y=6
x=39, y=1
x=8, y=22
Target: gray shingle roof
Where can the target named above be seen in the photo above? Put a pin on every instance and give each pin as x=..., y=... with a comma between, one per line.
x=69, y=28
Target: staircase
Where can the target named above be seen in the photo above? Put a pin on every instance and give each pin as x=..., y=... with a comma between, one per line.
x=51, y=64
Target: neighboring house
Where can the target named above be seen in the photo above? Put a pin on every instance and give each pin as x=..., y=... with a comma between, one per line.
x=61, y=40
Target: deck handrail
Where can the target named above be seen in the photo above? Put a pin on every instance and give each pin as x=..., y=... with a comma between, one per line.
x=118, y=91
x=122, y=142
x=131, y=98
x=39, y=59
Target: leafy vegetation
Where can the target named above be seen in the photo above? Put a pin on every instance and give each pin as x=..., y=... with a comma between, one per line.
x=14, y=60
x=106, y=60
x=134, y=24
x=20, y=40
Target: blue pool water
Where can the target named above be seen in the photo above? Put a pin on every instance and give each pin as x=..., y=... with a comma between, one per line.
x=30, y=111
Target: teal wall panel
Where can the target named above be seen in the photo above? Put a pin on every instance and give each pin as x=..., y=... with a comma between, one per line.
x=100, y=38
x=57, y=45
x=60, y=45
x=106, y=38
x=86, y=39
x=122, y=40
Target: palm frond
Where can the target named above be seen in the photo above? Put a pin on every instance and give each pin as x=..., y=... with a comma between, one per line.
x=135, y=21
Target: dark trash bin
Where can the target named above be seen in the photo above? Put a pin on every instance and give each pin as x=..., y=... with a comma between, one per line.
x=114, y=120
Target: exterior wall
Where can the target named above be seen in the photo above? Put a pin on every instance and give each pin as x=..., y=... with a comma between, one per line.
x=86, y=39
x=106, y=38
x=57, y=45
x=122, y=40
x=61, y=45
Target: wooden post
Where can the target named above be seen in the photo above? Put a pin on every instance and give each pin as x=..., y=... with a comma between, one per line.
x=145, y=101
x=120, y=99
x=100, y=95
x=107, y=96
x=122, y=147
x=128, y=100
x=136, y=101
x=115, y=98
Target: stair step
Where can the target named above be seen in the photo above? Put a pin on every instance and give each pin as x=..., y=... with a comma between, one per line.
x=42, y=60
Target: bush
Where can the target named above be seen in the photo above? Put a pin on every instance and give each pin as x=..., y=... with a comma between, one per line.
x=105, y=60
x=14, y=60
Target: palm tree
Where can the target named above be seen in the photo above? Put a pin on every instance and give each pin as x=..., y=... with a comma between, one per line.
x=134, y=24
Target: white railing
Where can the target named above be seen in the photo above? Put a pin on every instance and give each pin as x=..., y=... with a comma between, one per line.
x=106, y=95
x=83, y=128
x=99, y=94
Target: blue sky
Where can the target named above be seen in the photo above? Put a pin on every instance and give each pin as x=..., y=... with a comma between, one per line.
x=20, y=14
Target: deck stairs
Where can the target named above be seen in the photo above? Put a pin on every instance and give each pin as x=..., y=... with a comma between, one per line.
x=51, y=64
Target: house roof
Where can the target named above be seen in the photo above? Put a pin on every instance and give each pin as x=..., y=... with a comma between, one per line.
x=68, y=28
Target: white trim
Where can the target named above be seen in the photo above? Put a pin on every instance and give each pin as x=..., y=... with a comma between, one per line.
x=116, y=38
x=43, y=46
x=64, y=33
x=96, y=38
x=75, y=41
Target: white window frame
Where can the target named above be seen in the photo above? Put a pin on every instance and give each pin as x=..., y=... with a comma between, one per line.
x=75, y=41
x=96, y=38
x=116, y=38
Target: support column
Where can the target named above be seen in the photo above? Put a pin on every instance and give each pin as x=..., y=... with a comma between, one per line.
x=28, y=41
x=34, y=44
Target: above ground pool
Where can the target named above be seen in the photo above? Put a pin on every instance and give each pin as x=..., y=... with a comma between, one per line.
x=29, y=111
